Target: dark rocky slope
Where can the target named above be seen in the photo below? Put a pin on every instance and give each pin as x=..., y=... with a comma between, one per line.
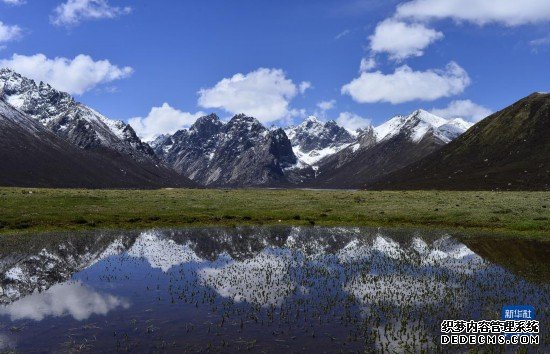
x=33, y=156
x=509, y=150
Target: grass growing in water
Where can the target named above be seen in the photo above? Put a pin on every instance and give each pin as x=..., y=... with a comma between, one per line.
x=513, y=213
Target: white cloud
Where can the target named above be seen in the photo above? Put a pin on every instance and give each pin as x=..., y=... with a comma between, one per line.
x=68, y=299
x=162, y=120
x=540, y=41
x=463, y=109
x=73, y=12
x=508, y=12
x=402, y=40
x=326, y=105
x=367, y=64
x=406, y=85
x=304, y=86
x=8, y=32
x=264, y=94
x=14, y=2
x=342, y=34
x=74, y=76
x=352, y=121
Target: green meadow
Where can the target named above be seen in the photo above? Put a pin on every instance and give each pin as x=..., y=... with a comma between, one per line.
x=24, y=210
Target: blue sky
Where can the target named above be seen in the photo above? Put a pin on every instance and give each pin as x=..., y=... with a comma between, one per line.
x=453, y=58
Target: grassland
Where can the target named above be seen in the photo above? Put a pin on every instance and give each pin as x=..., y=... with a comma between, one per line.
x=509, y=213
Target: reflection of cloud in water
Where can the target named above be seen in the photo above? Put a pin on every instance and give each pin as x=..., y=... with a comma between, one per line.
x=65, y=299
x=262, y=280
x=161, y=252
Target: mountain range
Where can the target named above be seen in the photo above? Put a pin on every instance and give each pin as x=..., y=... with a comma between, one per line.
x=48, y=139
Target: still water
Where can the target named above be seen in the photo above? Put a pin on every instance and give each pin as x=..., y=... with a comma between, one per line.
x=261, y=289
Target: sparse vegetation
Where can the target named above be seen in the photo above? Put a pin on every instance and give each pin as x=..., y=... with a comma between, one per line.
x=509, y=213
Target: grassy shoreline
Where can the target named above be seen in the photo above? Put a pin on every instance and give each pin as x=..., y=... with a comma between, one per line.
x=24, y=210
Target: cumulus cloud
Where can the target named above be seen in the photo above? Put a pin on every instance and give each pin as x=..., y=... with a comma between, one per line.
x=402, y=40
x=352, y=121
x=74, y=76
x=68, y=299
x=162, y=120
x=367, y=64
x=406, y=85
x=264, y=93
x=463, y=109
x=481, y=12
x=73, y=12
x=9, y=32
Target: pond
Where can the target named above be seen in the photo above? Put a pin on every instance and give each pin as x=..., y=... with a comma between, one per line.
x=272, y=289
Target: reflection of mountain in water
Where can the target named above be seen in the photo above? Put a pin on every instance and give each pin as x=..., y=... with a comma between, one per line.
x=23, y=272
x=245, y=250
x=394, y=287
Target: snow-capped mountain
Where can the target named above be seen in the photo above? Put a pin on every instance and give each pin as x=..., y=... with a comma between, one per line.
x=388, y=147
x=313, y=140
x=50, y=140
x=416, y=125
x=241, y=152
x=507, y=150
x=61, y=114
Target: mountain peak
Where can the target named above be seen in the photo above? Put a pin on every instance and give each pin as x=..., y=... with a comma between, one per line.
x=420, y=123
x=312, y=119
x=427, y=117
x=209, y=120
x=242, y=120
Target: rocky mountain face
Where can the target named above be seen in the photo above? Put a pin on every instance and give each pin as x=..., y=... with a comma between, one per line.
x=507, y=150
x=241, y=152
x=49, y=140
x=391, y=146
x=313, y=140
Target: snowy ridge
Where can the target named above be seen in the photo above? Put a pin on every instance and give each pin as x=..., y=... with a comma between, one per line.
x=61, y=114
x=418, y=124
